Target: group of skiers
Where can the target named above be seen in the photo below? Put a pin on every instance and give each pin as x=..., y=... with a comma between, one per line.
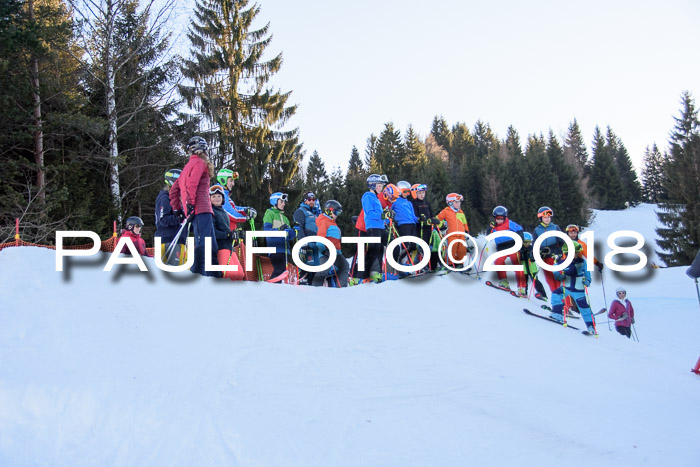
x=388, y=211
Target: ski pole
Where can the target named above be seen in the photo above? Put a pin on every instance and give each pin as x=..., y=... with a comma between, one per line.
x=257, y=258
x=697, y=289
x=634, y=329
x=602, y=283
x=171, y=248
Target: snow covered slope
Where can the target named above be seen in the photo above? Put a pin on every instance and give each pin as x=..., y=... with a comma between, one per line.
x=127, y=368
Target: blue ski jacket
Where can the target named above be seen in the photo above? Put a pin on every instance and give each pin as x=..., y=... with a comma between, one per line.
x=404, y=213
x=373, y=211
x=553, y=243
x=575, y=277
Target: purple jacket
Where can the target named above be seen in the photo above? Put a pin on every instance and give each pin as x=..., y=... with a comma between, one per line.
x=617, y=309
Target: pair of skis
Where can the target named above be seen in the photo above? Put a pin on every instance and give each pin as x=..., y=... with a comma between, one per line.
x=537, y=295
x=566, y=325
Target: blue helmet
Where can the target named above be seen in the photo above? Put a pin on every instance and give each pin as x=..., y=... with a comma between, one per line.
x=274, y=197
x=545, y=211
x=527, y=237
x=373, y=179
x=500, y=211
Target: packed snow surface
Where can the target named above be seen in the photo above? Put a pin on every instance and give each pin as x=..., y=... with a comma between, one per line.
x=131, y=368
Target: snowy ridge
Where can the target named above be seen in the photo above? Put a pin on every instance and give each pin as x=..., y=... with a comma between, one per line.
x=119, y=369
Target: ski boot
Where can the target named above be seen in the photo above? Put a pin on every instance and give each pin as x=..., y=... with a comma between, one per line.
x=504, y=284
x=557, y=317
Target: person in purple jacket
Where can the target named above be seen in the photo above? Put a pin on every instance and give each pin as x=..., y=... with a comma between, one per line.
x=622, y=312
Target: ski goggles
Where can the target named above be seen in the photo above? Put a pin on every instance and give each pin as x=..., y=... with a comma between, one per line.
x=622, y=293
x=500, y=218
x=573, y=227
x=216, y=189
x=284, y=197
x=421, y=187
x=547, y=213
x=384, y=179
x=309, y=196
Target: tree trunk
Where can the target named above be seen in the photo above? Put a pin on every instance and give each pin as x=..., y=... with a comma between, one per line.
x=38, y=131
x=112, y=113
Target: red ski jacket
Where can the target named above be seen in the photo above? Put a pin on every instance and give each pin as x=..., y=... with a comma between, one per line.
x=192, y=187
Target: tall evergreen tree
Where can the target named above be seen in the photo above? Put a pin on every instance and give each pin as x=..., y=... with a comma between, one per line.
x=542, y=181
x=441, y=132
x=513, y=176
x=606, y=184
x=355, y=167
x=316, y=176
x=415, y=156
x=569, y=183
x=652, y=175
x=680, y=215
x=227, y=79
x=371, y=162
x=575, y=145
x=628, y=176
x=390, y=152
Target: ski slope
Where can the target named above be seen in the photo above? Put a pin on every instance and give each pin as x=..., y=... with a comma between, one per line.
x=130, y=368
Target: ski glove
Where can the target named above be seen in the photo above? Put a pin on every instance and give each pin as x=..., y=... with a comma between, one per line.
x=423, y=218
x=388, y=214
x=180, y=215
x=252, y=213
x=599, y=266
x=434, y=221
x=190, y=209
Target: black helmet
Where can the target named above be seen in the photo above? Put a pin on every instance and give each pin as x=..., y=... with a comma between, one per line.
x=133, y=221
x=500, y=211
x=172, y=175
x=196, y=143
x=332, y=207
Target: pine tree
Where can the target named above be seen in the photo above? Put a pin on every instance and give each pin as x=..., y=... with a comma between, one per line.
x=441, y=132
x=605, y=183
x=680, y=238
x=575, y=145
x=415, y=156
x=227, y=80
x=355, y=167
x=652, y=175
x=513, y=177
x=569, y=181
x=542, y=181
x=316, y=177
x=628, y=176
x=390, y=152
x=371, y=162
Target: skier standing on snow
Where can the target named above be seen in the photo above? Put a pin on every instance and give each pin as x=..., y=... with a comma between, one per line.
x=222, y=227
x=237, y=214
x=405, y=219
x=192, y=191
x=424, y=212
x=275, y=219
x=168, y=221
x=373, y=219
x=305, y=217
x=456, y=221
x=527, y=259
x=132, y=230
x=328, y=228
x=572, y=230
x=551, y=247
x=574, y=278
x=622, y=312
x=501, y=223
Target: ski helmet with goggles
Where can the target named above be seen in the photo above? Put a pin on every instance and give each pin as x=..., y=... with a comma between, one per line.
x=545, y=211
x=133, y=221
x=391, y=192
x=404, y=187
x=527, y=237
x=197, y=143
x=416, y=188
x=577, y=248
x=224, y=174
x=373, y=179
x=309, y=196
x=332, y=207
x=500, y=211
x=452, y=197
x=216, y=190
x=172, y=175
x=279, y=196
x=573, y=227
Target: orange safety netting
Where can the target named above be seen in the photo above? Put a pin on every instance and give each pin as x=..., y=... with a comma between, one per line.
x=109, y=244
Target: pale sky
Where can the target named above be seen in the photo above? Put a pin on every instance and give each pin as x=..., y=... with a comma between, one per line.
x=353, y=66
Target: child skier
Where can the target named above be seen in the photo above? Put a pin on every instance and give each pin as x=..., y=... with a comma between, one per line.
x=574, y=278
x=527, y=259
x=372, y=219
x=501, y=223
x=405, y=218
x=424, y=213
x=456, y=222
x=168, y=222
x=132, y=230
x=550, y=247
x=328, y=228
x=275, y=219
x=224, y=235
x=622, y=312
x=237, y=214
